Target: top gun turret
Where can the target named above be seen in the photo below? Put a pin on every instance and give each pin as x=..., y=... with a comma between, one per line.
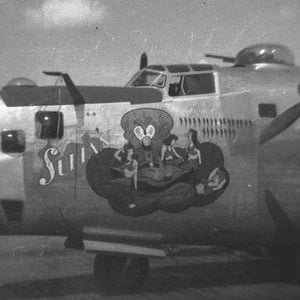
x=259, y=53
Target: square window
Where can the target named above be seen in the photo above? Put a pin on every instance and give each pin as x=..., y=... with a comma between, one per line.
x=267, y=110
x=13, y=141
x=13, y=210
x=197, y=84
x=49, y=124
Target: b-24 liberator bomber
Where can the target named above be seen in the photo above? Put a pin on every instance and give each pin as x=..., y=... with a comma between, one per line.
x=185, y=154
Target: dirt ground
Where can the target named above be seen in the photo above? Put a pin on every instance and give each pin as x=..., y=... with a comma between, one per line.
x=40, y=268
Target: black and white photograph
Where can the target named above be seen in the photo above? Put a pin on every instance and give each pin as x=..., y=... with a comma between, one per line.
x=149, y=149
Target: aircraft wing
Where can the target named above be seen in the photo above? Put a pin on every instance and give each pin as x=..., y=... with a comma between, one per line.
x=120, y=241
x=49, y=95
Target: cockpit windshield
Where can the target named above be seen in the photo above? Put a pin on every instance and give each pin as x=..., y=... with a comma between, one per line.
x=149, y=78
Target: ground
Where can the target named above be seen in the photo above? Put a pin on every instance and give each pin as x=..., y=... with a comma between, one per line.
x=39, y=268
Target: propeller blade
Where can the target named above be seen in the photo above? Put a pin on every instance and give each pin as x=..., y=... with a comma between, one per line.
x=280, y=123
x=73, y=90
x=143, y=61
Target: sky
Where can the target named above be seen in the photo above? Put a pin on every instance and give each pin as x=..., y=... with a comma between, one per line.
x=99, y=42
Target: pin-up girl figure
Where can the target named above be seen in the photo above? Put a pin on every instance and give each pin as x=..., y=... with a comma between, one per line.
x=192, y=149
x=168, y=152
x=129, y=164
x=128, y=168
x=216, y=180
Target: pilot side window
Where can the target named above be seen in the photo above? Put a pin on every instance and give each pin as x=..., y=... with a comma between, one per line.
x=13, y=141
x=194, y=84
x=175, y=86
x=49, y=124
x=199, y=84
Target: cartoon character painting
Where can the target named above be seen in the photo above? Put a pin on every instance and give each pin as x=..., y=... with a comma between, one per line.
x=150, y=173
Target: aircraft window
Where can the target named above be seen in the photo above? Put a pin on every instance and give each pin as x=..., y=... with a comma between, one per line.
x=178, y=68
x=13, y=210
x=199, y=84
x=202, y=67
x=49, y=124
x=156, y=67
x=13, y=141
x=175, y=86
x=148, y=78
x=267, y=110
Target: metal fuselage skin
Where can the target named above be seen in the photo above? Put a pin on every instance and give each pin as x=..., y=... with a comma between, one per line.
x=57, y=203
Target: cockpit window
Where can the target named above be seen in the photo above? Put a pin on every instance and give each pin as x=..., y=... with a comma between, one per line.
x=156, y=67
x=194, y=84
x=148, y=78
x=199, y=84
x=175, y=86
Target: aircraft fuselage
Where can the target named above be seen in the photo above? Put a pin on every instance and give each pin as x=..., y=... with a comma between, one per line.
x=55, y=186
